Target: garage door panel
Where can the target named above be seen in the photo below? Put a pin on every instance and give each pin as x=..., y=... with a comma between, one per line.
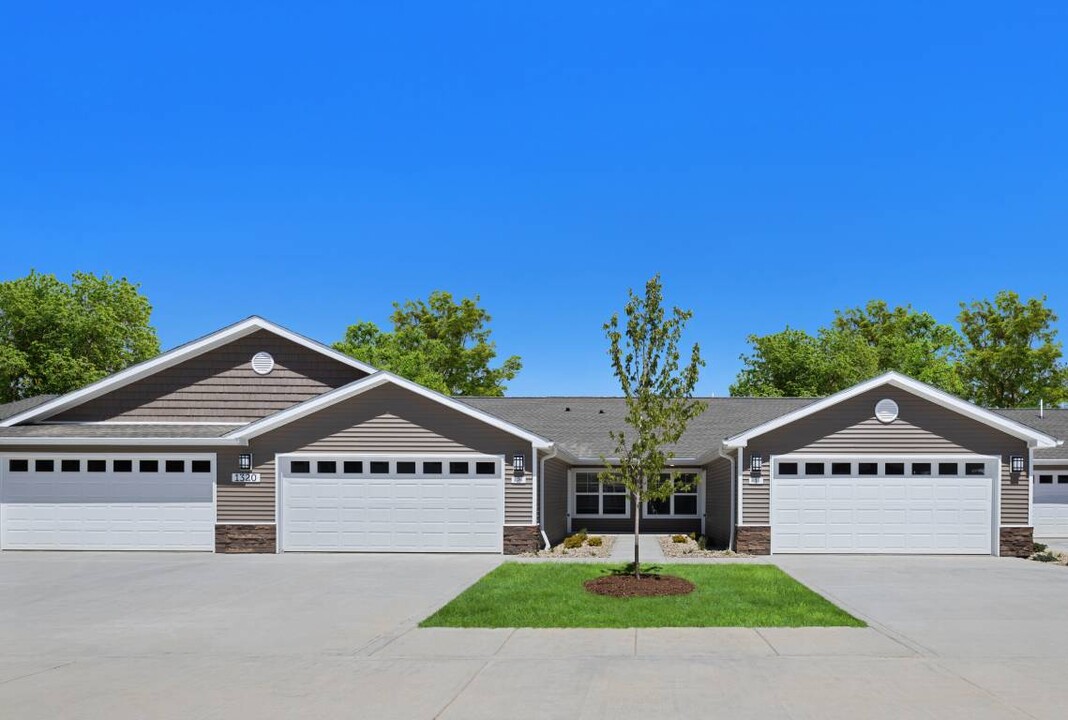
x=878, y=514
x=396, y=513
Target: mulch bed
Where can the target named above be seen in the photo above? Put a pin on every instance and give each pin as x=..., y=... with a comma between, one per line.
x=626, y=586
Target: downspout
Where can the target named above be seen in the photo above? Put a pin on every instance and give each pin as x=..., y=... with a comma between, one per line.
x=730, y=541
x=541, y=495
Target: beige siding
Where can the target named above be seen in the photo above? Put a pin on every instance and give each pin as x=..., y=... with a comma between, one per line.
x=718, y=502
x=221, y=385
x=922, y=427
x=554, y=485
x=384, y=420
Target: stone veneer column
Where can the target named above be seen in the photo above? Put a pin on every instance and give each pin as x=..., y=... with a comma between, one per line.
x=521, y=538
x=1017, y=541
x=753, y=539
x=245, y=538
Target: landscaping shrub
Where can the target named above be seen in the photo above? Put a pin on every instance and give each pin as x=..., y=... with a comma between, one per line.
x=595, y=541
x=1044, y=556
x=679, y=538
x=574, y=541
x=1040, y=547
x=702, y=542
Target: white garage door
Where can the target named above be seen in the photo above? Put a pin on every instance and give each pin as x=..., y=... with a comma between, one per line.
x=942, y=506
x=108, y=502
x=1050, y=509
x=374, y=504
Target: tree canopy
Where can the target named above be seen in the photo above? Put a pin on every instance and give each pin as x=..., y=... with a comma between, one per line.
x=437, y=342
x=1005, y=353
x=56, y=336
x=658, y=391
x=1013, y=358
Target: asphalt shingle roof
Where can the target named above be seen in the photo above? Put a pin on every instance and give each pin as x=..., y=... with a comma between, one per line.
x=1053, y=421
x=580, y=425
x=89, y=430
x=14, y=408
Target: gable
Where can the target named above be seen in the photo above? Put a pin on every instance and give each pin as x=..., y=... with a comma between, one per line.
x=220, y=385
x=921, y=426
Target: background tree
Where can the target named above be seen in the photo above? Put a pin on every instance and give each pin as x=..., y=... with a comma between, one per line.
x=659, y=398
x=860, y=343
x=56, y=337
x=436, y=342
x=1013, y=358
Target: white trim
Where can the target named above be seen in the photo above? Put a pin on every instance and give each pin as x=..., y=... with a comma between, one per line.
x=534, y=479
x=223, y=423
x=370, y=382
x=923, y=390
x=741, y=487
x=1063, y=462
x=572, y=512
x=172, y=358
x=1030, y=486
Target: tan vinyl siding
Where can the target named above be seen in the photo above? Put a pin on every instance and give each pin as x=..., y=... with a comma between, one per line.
x=718, y=502
x=385, y=420
x=554, y=485
x=220, y=385
x=922, y=427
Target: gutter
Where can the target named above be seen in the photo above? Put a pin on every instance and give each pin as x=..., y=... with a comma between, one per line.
x=541, y=495
x=112, y=441
x=734, y=490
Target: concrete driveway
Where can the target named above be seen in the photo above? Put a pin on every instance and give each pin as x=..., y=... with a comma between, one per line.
x=204, y=636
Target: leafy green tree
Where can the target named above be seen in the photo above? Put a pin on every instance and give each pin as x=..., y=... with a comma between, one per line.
x=1013, y=358
x=860, y=343
x=437, y=342
x=907, y=341
x=56, y=337
x=659, y=397
x=793, y=363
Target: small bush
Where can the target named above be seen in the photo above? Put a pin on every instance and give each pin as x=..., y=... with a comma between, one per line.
x=702, y=542
x=595, y=541
x=693, y=536
x=1040, y=547
x=574, y=541
x=1044, y=556
x=679, y=538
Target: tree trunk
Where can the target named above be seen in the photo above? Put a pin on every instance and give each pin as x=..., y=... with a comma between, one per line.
x=637, y=531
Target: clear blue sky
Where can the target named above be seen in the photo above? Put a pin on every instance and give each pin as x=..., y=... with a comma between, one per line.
x=313, y=162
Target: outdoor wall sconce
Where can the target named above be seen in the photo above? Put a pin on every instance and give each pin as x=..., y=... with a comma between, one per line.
x=518, y=463
x=244, y=462
x=755, y=463
x=1016, y=463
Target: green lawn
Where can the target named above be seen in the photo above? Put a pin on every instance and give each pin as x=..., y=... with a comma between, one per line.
x=551, y=595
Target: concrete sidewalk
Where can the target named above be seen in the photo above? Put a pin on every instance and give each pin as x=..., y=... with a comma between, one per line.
x=648, y=549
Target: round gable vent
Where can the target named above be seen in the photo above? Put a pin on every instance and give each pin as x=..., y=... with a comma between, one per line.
x=262, y=363
x=886, y=410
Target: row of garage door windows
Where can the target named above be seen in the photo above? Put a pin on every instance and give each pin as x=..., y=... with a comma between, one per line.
x=99, y=466
x=382, y=467
x=1048, y=479
x=890, y=468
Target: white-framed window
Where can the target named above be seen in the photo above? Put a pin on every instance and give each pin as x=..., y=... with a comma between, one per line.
x=683, y=503
x=593, y=498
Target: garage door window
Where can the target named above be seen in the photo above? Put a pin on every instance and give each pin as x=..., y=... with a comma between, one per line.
x=70, y=465
x=18, y=465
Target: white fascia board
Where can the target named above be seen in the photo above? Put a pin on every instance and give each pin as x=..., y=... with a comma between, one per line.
x=172, y=358
x=120, y=442
x=370, y=382
x=1034, y=438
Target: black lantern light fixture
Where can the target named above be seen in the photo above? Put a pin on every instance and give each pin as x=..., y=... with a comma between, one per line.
x=244, y=462
x=1016, y=462
x=755, y=463
x=518, y=463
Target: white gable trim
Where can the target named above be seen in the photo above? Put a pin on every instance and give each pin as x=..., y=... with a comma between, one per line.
x=370, y=382
x=172, y=358
x=1033, y=437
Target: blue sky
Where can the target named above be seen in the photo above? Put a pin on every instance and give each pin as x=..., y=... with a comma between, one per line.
x=313, y=162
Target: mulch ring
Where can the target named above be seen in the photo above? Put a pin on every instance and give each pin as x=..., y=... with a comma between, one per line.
x=648, y=585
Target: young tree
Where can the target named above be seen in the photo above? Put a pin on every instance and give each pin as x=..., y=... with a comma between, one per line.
x=659, y=398
x=56, y=337
x=436, y=342
x=1013, y=358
